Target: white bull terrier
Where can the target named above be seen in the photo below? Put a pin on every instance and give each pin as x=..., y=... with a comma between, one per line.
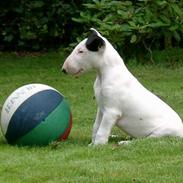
x=121, y=99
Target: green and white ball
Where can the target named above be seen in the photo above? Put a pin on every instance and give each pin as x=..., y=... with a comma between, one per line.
x=35, y=114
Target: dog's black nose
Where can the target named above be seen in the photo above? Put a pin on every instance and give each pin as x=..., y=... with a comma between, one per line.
x=64, y=71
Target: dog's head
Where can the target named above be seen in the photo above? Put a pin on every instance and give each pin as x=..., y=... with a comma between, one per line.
x=86, y=55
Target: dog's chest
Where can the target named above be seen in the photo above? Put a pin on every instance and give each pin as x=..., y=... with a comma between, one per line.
x=104, y=92
x=98, y=90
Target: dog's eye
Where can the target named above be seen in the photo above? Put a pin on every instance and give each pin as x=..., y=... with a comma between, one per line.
x=80, y=51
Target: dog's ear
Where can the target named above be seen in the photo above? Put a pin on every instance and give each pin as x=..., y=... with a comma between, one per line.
x=94, y=41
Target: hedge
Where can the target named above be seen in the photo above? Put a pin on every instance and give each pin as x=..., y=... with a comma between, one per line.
x=145, y=24
x=36, y=24
x=41, y=24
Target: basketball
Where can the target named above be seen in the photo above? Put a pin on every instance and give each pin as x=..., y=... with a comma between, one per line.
x=35, y=114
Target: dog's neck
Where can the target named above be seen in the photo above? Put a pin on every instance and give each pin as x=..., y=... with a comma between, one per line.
x=111, y=62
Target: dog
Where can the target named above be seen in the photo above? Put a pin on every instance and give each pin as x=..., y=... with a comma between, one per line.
x=122, y=100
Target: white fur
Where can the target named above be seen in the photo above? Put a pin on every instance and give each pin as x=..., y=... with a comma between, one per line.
x=121, y=99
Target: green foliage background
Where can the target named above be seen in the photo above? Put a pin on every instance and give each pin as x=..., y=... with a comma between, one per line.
x=148, y=23
x=37, y=24
x=41, y=24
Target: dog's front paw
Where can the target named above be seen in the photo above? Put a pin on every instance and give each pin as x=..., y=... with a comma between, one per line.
x=97, y=143
x=92, y=144
x=100, y=141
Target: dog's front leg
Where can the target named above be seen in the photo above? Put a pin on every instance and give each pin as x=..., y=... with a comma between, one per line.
x=104, y=130
x=96, y=124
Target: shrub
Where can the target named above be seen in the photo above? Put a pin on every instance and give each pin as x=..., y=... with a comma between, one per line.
x=37, y=24
x=148, y=23
x=130, y=25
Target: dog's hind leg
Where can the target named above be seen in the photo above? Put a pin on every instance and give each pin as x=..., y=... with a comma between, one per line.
x=124, y=142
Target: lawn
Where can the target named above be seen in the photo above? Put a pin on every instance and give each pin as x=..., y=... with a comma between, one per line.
x=143, y=160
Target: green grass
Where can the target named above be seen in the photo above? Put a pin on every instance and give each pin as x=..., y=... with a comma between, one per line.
x=143, y=160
